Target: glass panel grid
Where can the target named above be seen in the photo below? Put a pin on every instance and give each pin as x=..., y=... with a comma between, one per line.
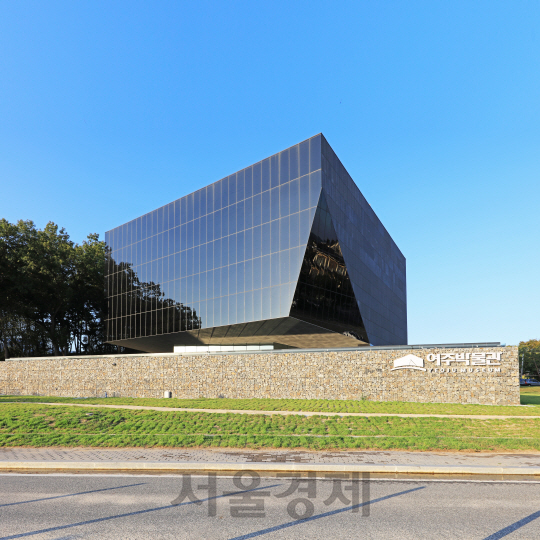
x=163, y=265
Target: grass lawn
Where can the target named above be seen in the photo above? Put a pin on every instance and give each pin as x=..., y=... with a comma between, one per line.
x=41, y=425
x=316, y=405
x=530, y=395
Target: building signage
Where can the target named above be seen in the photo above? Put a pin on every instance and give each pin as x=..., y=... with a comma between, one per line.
x=475, y=362
x=409, y=362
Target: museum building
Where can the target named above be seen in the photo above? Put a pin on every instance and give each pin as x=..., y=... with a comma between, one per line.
x=286, y=253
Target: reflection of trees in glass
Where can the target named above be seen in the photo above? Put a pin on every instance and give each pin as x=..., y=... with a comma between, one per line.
x=324, y=292
x=325, y=267
x=142, y=307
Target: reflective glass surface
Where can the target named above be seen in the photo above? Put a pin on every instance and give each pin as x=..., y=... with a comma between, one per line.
x=287, y=247
x=375, y=265
x=229, y=253
x=324, y=295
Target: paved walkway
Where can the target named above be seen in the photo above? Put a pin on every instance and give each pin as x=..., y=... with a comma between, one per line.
x=270, y=413
x=236, y=456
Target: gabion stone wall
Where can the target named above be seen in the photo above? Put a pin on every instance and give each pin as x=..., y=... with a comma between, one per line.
x=462, y=375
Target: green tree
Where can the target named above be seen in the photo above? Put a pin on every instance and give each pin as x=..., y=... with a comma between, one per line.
x=52, y=295
x=529, y=355
x=14, y=239
x=53, y=301
x=50, y=267
x=88, y=304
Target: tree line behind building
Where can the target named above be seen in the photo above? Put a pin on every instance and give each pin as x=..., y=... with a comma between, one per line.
x=52, y=298
x=53, y=301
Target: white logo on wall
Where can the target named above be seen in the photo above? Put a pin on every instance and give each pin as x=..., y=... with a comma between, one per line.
x=409, y=362
x=474, y=362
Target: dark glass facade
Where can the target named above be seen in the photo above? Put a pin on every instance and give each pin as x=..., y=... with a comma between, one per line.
x=376, y=266
x=324, y=295
x=253, y=258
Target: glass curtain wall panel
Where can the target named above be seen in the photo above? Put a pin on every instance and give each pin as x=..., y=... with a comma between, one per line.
x=376, y=266
x=283, y=249
x=225, y=254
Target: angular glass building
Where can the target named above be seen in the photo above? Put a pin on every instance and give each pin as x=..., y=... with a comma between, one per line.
x=285, y=252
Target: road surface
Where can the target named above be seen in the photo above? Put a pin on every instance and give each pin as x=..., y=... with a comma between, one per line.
x=63, y=507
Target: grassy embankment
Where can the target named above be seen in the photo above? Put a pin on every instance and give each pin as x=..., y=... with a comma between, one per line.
x=529, y=396
x=41, y=425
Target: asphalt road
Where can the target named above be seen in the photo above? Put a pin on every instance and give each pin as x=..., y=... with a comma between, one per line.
x=66, y=507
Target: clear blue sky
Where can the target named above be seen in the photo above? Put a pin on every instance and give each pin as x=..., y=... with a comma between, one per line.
x=111, y=109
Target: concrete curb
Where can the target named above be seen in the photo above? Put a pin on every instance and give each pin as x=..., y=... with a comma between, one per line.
x=266, y=468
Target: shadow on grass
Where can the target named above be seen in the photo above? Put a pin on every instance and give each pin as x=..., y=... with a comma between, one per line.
x=530, y=395
x=530, y=399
